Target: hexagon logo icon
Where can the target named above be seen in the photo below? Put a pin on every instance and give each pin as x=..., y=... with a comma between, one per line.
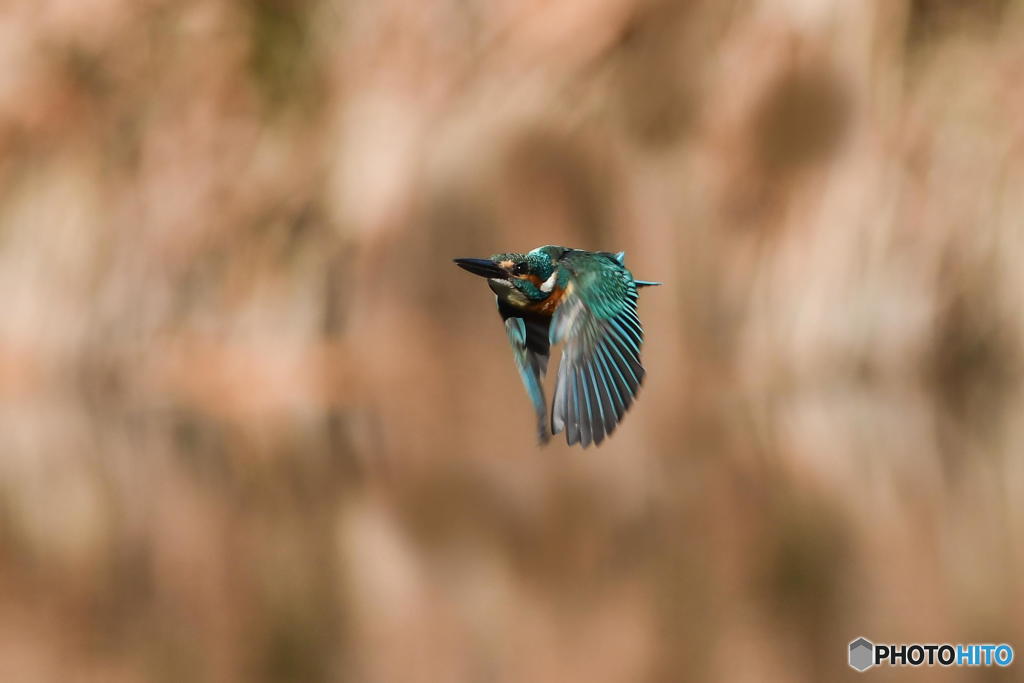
x=862, y=654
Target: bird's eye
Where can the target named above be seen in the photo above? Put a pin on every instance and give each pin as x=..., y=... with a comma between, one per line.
x=521, y=268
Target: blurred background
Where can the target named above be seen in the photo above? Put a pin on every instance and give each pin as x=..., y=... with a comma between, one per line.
x=255, y=426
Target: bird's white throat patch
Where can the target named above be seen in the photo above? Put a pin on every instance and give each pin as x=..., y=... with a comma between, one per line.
x=506, y=292
x=499, y=284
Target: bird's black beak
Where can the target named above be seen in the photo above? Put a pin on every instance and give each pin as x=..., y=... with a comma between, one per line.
x=482, y=267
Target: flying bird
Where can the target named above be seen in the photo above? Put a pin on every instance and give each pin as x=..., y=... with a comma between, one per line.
x=586, y=299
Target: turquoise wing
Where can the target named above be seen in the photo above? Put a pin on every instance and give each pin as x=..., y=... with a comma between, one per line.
x=600, y=370
x=529, y=339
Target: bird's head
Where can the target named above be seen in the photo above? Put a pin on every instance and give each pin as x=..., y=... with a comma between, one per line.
x=519, y=278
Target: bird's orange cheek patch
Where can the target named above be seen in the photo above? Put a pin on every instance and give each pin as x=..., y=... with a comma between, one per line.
x=530, y=277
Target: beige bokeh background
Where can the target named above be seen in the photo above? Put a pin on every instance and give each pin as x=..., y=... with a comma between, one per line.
x=255, y=426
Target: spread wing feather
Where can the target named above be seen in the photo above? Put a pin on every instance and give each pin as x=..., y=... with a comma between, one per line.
x=600, y=372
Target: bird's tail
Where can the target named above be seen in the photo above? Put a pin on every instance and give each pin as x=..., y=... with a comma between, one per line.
x=645, y=283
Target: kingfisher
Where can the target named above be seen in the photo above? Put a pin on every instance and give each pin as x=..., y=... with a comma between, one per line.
x=586, y=299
